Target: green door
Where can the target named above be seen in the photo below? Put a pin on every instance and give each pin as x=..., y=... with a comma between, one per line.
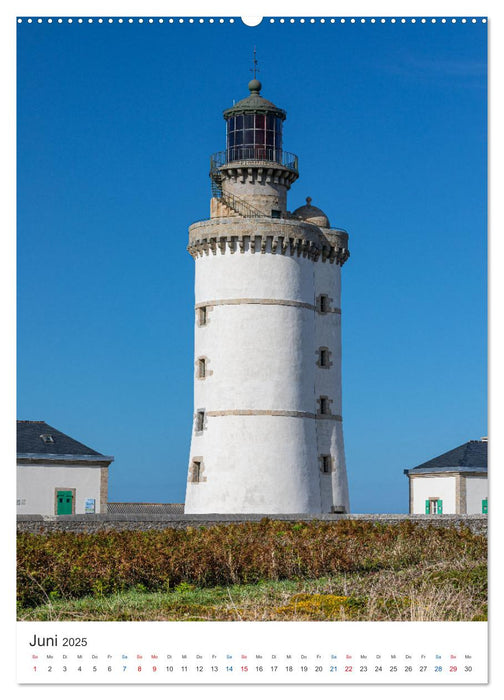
x=64, y=503
x=484, y=505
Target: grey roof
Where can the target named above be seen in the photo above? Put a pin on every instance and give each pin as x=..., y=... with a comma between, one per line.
x=472, y=456
x=29, y=440
x=254, y=103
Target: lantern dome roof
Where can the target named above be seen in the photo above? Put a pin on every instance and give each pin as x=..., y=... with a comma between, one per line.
x=255, y=104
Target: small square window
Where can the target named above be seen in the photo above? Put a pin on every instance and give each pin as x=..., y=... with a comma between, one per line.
x=196, y=470
x=202, y=315
x=47, y=439
x=326, y=464
x=324, y=303
x=200, y=421
x=276, y=214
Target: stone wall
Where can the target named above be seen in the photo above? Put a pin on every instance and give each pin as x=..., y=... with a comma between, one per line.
x=94, y=523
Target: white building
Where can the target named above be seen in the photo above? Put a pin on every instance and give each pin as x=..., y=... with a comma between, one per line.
x=455, y=482
x=56, y=475
x=268, y=432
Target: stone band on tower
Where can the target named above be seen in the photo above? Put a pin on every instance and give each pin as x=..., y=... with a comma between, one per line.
x=268, y=435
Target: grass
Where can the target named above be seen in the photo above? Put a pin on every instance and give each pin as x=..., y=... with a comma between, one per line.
x=410, y=594
x=255, y=571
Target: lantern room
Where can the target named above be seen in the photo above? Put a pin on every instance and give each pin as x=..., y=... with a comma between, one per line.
x=254, y=128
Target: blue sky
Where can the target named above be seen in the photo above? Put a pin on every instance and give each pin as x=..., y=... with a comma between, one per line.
x=115, y=127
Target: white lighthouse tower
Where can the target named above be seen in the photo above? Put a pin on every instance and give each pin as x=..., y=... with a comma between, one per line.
x=267, y=434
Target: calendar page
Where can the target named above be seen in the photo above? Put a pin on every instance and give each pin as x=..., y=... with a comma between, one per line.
x=252, y=445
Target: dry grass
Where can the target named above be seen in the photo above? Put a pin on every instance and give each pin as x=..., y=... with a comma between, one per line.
x=257, y=571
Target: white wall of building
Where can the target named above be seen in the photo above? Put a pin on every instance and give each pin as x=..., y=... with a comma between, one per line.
x=37, y=483
x=442, y=487
x=476, y=491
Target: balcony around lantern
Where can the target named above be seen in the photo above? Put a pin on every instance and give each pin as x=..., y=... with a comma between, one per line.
x=255, y=154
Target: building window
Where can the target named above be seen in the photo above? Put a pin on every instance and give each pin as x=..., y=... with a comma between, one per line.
x=433, y=506
x=326, y=464
x=202, y=315
x=196, y=470
x=324, y=405
x=200, y=421
x=202, y=368
x=47, y=439
x=323, y=304
x=324, y=358
x=276, y=214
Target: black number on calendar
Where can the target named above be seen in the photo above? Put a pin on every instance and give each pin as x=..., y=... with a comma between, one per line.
x=288, y=669
x=49, y=668
x=422, y=669
x=109, y=668
x=94, y=669
x=393, y=669
x=408, y=669
x=259, y=669
x=274, y=668
x=74, y=641
x=214, y=669
x=169, y=668
x=467, y=668
x=318, y=669
x=199, y=669
x=378, y=669
x=304, y=669
x=363, y=669
x=64, y=669
x=79, y=668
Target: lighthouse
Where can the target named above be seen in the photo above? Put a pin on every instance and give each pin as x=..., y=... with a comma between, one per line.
x=267, y=433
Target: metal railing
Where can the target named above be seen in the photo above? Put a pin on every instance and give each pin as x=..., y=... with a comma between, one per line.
x=240, y=206
x=255, y=153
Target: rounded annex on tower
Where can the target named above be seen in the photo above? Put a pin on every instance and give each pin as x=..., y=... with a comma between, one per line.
x=311, y=214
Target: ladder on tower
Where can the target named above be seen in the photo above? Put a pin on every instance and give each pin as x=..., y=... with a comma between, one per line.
x=237, y=204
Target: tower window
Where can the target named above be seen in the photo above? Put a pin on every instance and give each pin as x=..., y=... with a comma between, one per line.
x=276, y=214
x=202, y=368
x=202, y=315
x=324, y=303
x=324, y=358
x=196, y=471
x=324, y=406
x=200, y=421
x=326, y=464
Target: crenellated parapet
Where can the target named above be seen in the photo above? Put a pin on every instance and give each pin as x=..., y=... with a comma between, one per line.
x=257, y=235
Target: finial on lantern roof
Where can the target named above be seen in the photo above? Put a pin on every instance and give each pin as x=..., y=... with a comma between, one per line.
x=255, y=85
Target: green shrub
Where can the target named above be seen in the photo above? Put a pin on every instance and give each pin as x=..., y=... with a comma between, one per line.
x=73, y=565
